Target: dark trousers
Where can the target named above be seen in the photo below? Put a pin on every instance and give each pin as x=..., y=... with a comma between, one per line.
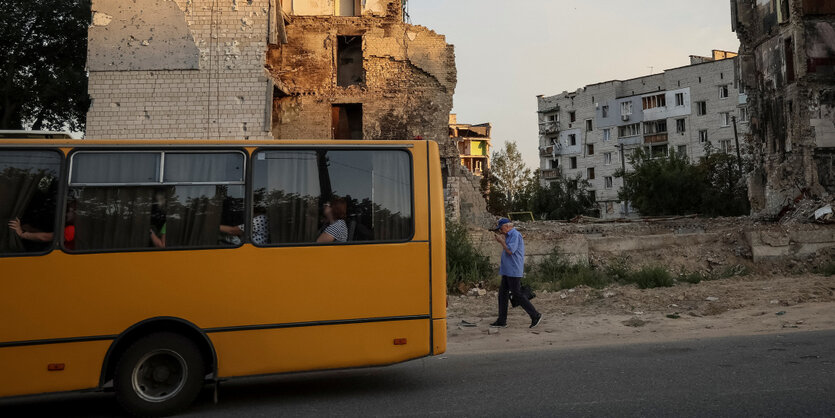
x=513, y=285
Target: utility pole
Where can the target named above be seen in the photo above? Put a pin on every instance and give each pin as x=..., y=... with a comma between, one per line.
x=625, y=190
x=738, y=152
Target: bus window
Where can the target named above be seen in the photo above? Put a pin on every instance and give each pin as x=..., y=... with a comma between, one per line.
x=28, y=191
x=125, y=201
x=293, y=192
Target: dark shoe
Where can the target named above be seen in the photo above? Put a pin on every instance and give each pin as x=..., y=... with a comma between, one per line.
x=498, y=324
x=536, y=321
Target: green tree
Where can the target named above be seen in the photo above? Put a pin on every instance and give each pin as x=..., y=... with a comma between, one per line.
x=563, y=199
x=725, y=193
x=43, y=81
x=509, y=179
x=673, y=186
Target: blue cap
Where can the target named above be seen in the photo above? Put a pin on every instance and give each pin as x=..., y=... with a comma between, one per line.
x=502, y=222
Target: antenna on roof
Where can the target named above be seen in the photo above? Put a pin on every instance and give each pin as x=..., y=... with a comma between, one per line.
x=651, y=72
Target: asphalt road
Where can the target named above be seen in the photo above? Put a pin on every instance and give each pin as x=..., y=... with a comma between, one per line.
x=777, y=375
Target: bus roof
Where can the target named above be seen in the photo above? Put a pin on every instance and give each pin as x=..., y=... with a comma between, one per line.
x=192, y=143
x=17, y=134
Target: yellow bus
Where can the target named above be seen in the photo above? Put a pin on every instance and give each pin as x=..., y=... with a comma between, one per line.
x=152, y=268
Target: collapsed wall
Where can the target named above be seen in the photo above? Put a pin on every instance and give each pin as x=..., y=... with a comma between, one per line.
x=787, y=59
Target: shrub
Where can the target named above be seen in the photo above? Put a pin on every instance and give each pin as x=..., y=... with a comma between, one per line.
x=827, y=269
x=465, y=263
x=619, y=270
x=691, y=277
x=651, y=277
x=555, y=272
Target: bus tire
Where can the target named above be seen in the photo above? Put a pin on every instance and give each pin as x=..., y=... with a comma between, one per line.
x=158, y=375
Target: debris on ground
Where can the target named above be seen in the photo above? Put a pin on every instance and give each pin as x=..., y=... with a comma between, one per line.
x=634, y=322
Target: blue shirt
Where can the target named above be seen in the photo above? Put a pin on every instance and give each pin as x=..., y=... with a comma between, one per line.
x=513, y=264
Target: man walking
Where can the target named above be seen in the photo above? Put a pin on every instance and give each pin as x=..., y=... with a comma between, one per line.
x=512, y=268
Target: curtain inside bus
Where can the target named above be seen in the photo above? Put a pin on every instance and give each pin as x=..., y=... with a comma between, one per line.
x=194, y=214
x=287, y=191
x=392, y=196
x=180, y=211
x=113, y=218
x=28, y=189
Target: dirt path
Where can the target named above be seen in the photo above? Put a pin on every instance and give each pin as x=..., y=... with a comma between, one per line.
x=624, y=314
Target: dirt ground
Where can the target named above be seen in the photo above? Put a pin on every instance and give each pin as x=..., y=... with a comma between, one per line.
x=747, y=305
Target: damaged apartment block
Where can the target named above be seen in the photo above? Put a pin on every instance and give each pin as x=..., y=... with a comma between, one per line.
x=787, y=58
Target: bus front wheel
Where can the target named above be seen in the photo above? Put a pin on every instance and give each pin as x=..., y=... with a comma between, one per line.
x=159, y=374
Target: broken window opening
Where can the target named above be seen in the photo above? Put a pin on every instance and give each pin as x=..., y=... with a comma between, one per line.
x=789, y=50
x=590, y=173
x=572, y=163
x=349, y=8
x=347, y=121
x=652, y=102
x=572, y=117
x=349, y=61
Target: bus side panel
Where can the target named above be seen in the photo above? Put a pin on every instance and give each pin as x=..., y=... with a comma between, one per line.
x=419, y=153
x=24, y=369
x=439, y=279
x=439, y=337
x=243, y=353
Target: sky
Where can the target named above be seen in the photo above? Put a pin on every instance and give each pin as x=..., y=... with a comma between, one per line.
x=508, y=52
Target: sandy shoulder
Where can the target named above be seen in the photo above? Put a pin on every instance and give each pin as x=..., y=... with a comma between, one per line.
x=626, y=315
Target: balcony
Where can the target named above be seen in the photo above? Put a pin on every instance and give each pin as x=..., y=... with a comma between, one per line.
x=655, y=139
x=551, y=174
x=546, y=152
x=549, y=128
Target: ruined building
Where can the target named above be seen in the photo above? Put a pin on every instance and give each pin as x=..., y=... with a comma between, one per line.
x=787, y=58
x=269, y=69
x=473, y=143
x=356, y=70
x=591, y=132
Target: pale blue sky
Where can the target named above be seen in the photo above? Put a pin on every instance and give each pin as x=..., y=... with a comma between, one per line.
x=508, y=52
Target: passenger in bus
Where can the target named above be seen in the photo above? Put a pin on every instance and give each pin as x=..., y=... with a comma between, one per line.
x=159, y=222
x=260, y=228
x=27, y=233
x=335, y=214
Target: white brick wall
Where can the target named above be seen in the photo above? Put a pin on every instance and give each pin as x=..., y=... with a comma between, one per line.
x=228, y=97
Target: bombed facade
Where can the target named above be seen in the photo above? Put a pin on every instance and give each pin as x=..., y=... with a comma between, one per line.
x=787, y=58
x=186, y=69
x=591, y=132
x=356, y=70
